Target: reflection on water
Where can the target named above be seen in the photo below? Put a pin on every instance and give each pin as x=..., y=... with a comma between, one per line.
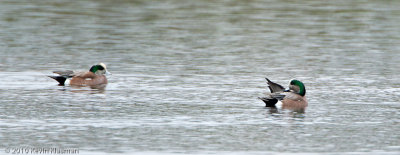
x=295, y=113
x=89, y=89
x=186, y=75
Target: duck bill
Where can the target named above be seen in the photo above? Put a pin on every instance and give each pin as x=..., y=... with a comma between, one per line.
x=108, y=73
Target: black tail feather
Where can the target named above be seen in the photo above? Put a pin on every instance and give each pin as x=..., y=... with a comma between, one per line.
x=59, y=79
x=269, y=102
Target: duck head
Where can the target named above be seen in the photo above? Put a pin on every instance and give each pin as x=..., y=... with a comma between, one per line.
x=297, y=87
x=99, y=69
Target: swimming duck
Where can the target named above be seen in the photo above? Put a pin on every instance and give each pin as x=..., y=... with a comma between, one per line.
x=95, y=76
x=293, y=97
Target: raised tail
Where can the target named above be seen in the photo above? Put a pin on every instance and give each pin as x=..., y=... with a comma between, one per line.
x=59, y=79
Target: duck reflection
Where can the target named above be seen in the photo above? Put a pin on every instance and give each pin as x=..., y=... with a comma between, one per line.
x=85, y=89
x=295, y=112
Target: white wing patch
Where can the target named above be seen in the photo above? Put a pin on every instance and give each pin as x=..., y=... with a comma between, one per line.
x=67, y=82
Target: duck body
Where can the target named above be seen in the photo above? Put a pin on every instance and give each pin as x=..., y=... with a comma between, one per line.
x=95, y=76
x=291, y=98
x=294, y=101
x=88, y=79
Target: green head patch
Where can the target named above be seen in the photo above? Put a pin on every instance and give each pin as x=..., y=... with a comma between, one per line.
x=95, y=68
x=302, y=88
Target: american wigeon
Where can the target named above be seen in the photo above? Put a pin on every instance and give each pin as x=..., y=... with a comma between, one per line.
x=292, y=98
x=95, y=76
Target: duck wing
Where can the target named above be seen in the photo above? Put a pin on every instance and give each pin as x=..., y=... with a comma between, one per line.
x=70, y=74
x=85, y=75
x=277, y=94
x=66, y=73
x=274, y=87
x=272, y=98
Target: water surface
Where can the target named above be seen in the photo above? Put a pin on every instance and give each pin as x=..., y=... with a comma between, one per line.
x=186, y=76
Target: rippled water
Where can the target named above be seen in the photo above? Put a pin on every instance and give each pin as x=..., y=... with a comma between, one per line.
x=187, y=74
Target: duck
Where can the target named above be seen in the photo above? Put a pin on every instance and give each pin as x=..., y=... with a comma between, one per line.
x=95, y=76
x=291, y=98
